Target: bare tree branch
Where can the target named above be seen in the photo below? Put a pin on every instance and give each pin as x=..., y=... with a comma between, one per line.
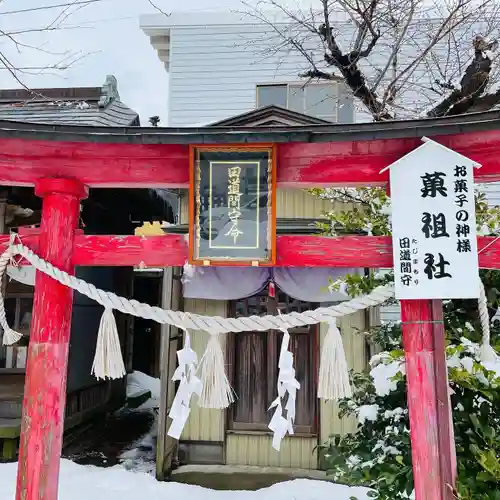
x=397, y=46
x=472, y=85
x=158, y=8
x=287, y=40
x=347, y=64
x=66, y=58
x=442, y=31
x=403, y=54
x=318, y=74
x=485, y=102
x=49, y=7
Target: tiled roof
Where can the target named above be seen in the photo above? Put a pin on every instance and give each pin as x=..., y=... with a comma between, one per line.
x=269, y=116
x=85, y=106
x=90, y=106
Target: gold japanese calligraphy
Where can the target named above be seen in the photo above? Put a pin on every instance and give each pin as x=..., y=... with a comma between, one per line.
x=233, y=204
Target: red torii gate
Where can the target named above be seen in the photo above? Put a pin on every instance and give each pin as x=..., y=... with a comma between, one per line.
x=62, y=162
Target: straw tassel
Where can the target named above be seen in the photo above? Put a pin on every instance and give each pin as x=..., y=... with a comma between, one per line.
x=333, y=383
x=11, y=337
x=217, y=391
x=108, y=359
x=488, y=354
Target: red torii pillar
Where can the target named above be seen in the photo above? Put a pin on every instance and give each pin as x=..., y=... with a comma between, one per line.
x=46, y=368
x=431, y=425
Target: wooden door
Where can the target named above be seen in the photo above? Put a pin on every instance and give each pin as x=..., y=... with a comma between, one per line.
x=253, y=366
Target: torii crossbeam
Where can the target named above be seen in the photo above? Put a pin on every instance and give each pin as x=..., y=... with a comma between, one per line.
x=63, y=161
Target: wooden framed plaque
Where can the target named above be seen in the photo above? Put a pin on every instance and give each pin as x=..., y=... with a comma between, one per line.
x=232, y=205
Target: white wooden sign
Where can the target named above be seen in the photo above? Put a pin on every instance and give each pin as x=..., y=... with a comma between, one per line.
x=434, y=224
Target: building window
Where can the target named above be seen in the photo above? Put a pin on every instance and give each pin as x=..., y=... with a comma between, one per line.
x=18, y=310
x=316, y=99
x=253, y=366
x=272, y=95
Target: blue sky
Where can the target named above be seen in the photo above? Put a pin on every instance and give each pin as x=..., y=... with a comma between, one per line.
x=106, y=34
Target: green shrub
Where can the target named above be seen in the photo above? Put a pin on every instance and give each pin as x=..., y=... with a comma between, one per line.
x=379, y=454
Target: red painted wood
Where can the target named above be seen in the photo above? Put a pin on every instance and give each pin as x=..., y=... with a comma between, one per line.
x=24, y=231
x=302, y=251
x=429, y=425
x=359, y=251
x=323, y=251
x=445, y=421
x=152, y=251
x=360, y=162
x=315, y=164
x=46, y=369
x=22, y=162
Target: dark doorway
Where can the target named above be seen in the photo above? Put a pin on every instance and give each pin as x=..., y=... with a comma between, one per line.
x=146, y=351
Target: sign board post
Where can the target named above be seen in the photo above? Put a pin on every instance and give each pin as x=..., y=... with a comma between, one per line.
x=435, y=257
x=434, y=225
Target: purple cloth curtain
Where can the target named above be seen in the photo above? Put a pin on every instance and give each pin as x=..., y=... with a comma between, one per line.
x=224, y=283
x=230, y=283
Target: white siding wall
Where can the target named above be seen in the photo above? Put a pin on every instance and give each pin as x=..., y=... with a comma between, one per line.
x=390, y=313
x=492, y=192
x=216, y=59
x=214, y=71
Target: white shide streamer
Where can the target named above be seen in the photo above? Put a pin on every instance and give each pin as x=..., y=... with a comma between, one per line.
x=287, y=386
x=189, y=384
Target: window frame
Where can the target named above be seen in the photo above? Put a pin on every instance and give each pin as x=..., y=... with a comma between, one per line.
x=285, y=85
x=298, y=85
x=272, y=351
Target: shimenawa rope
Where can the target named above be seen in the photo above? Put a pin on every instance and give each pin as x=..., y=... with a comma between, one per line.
x=213, y=325
x=215, y=390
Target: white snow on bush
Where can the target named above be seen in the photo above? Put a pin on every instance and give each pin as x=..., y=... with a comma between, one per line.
x=493, y=367
x=367, y=412
x=467, y=364
x=383, y=375
x=470, y=357
x=396, y=414
x=79, y=482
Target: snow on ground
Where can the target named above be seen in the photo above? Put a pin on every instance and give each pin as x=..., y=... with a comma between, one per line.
x=138, y=381
x=140, y=456
x=133, y=479
x=79, y=482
